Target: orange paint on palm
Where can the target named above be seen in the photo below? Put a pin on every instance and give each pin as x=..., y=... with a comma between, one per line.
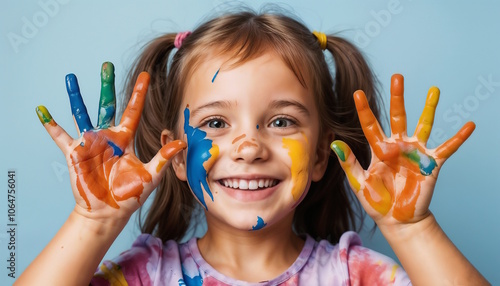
x=378, y=195
x=404, y=208
x=93, y=161
x=299, y=169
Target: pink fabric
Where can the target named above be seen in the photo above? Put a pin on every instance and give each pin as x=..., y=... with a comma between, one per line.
x=179, y=38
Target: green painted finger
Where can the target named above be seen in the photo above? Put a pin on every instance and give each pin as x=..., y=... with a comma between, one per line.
x=43, y=115
x=107, y=101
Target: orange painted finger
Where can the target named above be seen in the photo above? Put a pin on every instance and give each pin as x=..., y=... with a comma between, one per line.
x=424, y=126
x=58, y=134
x=132, y=113
x=353, y=170
x=398, y=113
x=371, y=128
x=451, y=146
x=160, y=160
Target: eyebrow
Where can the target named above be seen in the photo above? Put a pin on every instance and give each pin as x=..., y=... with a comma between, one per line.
x=225, y=104
x=277, y=104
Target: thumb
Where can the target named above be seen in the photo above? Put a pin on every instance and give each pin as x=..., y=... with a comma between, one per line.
x=353, y=170
x=160, y=160
x=58, y=134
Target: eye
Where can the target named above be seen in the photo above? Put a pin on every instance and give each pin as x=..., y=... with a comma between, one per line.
x=215, y=123
x=282, y=122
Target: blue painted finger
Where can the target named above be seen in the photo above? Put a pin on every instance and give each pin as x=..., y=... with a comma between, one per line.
x=78, y=108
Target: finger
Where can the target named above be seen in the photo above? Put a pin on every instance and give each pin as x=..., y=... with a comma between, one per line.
x=451, y=146
x=78, y=109
x=349, y=163
x=371, y=128
x=132, y=113
x=107, y=102
x=157, y=164
x=398, y=113
x=424, y=126
x=62, y=139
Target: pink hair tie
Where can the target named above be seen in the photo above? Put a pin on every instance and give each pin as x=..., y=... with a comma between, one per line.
x=179, y=38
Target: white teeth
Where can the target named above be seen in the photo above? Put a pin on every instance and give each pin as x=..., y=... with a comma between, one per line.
x=243, y=185
x=253, y=185
x=248, y=184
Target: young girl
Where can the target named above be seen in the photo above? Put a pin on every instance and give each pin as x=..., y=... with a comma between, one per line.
x=237, y=120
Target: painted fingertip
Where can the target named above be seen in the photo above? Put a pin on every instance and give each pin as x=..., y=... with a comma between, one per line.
x=43, y=114
x=108, y=72
x=341, y=149
x=433, y=95
x=397, y=78
x=172, y=148
x=72, y=84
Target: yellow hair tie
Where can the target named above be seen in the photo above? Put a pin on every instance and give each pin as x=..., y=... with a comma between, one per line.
x=321, y=37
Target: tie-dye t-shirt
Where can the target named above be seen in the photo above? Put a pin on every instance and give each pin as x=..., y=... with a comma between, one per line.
x=150, y=262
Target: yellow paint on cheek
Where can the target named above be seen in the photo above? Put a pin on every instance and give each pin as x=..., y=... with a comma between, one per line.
x=214, y=152
x=300, y=163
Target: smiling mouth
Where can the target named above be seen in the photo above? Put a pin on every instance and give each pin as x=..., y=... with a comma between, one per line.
x=241, y=184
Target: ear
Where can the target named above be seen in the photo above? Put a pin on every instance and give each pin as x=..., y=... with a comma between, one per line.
x=178, y=161
x=322, y=156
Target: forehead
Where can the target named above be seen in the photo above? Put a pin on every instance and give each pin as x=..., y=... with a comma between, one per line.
x=222, y=74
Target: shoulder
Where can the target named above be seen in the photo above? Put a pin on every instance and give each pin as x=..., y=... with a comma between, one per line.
x=348, y=262
x=147, y=259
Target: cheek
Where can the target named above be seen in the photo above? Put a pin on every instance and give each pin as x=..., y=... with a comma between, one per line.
x=299, y=155
x=201, y=154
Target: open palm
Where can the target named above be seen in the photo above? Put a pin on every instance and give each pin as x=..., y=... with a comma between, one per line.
x=106, y=176
x=398, y=184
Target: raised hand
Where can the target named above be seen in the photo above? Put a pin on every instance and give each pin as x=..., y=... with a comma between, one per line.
x=400, y=180
x=106, y=176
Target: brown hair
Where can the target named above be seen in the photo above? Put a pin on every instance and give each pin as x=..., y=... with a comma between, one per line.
x=327, y=211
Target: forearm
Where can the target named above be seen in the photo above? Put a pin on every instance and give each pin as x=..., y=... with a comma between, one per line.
x=74, y=253
x=429, y=257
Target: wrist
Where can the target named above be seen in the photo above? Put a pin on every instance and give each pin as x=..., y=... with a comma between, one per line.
x=405, y=232
x=98, y=224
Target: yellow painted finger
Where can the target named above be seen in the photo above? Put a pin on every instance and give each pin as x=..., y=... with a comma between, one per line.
x=424, y=126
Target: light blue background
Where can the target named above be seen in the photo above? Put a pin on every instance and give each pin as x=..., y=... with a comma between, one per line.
x=451, y=44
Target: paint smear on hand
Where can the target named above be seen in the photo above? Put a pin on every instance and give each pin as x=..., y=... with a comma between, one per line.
x=425, y=162
x=260, y=224
x=201, y=154
x=93, y=163
x=299, y=169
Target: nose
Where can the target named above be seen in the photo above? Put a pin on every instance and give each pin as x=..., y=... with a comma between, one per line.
x=249, y=150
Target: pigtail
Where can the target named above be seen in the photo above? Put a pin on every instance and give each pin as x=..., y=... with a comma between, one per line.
x=330, y=208
x=168, y=216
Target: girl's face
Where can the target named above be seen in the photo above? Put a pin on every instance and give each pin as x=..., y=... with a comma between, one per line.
x=252, y=134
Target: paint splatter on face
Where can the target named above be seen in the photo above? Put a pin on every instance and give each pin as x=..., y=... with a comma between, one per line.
x=260, y=224
x=201, y=154
x=215, y=75
x=297, y=150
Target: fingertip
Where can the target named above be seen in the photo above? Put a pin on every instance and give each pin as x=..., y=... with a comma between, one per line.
x=43, y=114
x=341, y=149
x=397, y=79
x=467, y=130
x=108, y=72
x=142, y=81
x=360, y=99
x=172, y=148
x=433, y=95
x=72, y=84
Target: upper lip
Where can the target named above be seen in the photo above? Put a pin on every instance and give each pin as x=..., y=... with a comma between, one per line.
x=248, y=177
